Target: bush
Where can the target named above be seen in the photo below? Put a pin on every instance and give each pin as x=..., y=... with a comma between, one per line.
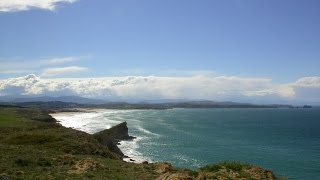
x=193, y=173
x=44, y=162
x=234, y=166
x=211, y=168
x=22, y=162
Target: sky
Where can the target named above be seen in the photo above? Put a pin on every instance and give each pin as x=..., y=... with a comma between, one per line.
x=264, y=51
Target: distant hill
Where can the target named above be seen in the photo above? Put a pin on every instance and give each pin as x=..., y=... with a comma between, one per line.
x=66, y=99
x=58, y=105
x=76, y=101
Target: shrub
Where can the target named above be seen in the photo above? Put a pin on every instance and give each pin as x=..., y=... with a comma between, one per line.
x=211, y=168
x=22, y=162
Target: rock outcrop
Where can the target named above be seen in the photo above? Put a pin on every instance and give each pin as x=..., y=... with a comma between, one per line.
x=111, y=137
x=221, y=171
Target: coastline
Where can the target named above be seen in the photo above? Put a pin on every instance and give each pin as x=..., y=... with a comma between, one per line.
x=127, y=147
x=41, y=147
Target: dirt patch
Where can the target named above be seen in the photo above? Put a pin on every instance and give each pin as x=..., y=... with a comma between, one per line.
x=84, y=165
x=161, y=168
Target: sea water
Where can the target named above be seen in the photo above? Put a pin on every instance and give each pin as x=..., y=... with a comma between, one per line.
x=286, y=141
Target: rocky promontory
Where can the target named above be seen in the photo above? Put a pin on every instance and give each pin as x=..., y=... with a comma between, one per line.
x=111, y=137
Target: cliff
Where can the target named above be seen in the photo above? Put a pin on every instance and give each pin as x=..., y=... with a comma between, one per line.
x=111, y=137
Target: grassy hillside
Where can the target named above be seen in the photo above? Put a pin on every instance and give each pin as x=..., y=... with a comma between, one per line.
x=33, y=146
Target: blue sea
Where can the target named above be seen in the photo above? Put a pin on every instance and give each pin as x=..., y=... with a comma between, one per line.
x=286, y=141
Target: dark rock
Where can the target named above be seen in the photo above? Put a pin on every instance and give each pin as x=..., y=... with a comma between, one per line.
x=111, y=137
x=132, y=160
x=145, y=162
x=19, y=173
x=22, y=162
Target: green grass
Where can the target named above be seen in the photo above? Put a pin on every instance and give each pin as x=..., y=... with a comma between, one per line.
x=33, y=139
x=10, y=118
x=234, y=166
x=22, y=117
x=212, y=168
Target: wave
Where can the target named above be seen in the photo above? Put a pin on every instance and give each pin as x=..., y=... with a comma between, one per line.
x=145, y=131
x=188, y=160
x=129, y=148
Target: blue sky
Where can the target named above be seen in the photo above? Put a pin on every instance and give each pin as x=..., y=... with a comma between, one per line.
x=271, y=39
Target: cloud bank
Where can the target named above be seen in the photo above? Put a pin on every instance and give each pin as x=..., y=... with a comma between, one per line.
x=24, y=5
x=220, y=88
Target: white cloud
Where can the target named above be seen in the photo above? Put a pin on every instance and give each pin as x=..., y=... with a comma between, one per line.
x=218, y=88
x=62, y=70
x=23, y=5
x=18, y=86
x=9, y=67
x=307, y=89
x=20, y=71
x=60, y=60
x=308, y=82
x=19, y=66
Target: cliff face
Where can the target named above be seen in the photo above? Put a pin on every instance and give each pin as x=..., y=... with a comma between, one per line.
x=111, y=137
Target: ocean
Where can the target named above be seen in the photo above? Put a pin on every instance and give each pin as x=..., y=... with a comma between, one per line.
x=286, y=141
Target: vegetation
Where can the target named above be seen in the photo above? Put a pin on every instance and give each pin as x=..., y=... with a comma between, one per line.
x=237, y=170
x=234, y=166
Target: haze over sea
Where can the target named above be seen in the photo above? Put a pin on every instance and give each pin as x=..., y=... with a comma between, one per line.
x=286, y=141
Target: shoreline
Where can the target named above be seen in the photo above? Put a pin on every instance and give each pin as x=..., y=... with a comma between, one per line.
x=124, y=145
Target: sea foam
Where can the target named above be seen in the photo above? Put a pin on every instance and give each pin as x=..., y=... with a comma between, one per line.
x=93, y=122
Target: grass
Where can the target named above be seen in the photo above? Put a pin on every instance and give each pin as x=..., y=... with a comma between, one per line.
x=10, y=118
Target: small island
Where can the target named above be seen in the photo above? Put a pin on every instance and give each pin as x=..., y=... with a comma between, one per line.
x=306, y=106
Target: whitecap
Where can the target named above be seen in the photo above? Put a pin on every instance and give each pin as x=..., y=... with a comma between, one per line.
x=188, y=160
x=145, y=131
x=130, y=149
x=92, y=122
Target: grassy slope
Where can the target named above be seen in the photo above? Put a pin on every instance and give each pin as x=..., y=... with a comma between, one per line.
x=33, y=146
x=33, y=149
x=9, y=118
